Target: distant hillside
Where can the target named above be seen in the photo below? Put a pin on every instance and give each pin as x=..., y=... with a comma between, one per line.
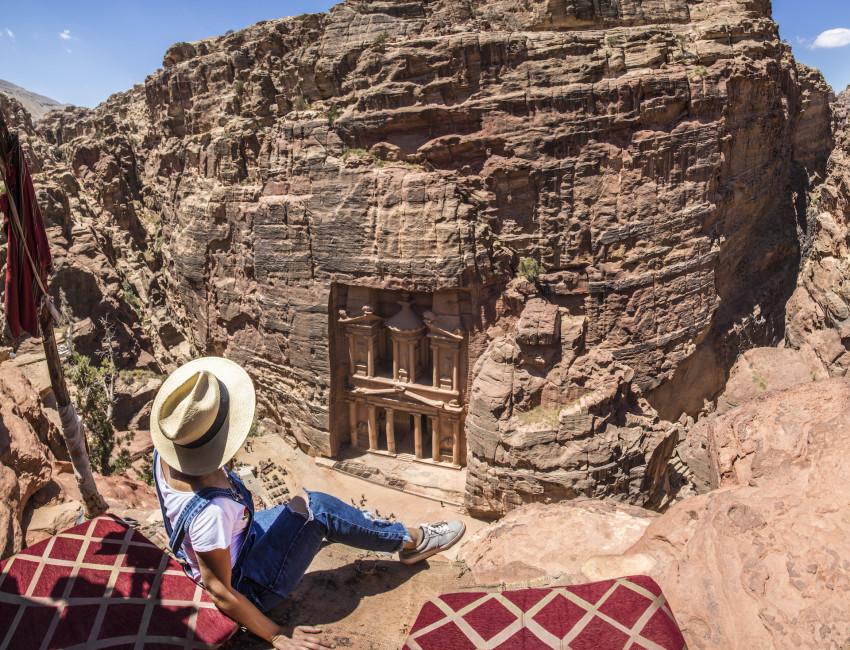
x=37, y=105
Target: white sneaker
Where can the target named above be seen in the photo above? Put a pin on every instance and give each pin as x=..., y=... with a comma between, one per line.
x=436, y=537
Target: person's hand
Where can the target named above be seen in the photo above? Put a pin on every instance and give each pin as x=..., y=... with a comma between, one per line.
x=161, y=540
x=304, y=637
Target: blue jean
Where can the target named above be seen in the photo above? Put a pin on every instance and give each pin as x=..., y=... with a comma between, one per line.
x=285, y=542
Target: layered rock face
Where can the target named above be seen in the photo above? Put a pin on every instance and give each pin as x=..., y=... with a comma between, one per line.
x=818, y=312
x=760, y=562
x=88, y=279
x=550, y=419
x=646, y=156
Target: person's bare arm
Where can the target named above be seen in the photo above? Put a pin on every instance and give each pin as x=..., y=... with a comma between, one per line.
x=215, y=572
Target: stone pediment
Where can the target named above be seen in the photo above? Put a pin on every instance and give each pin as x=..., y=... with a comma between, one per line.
x=367, y=318
x=439, y=328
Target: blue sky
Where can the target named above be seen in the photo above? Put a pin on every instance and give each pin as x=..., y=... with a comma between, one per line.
x=81, y=52
x=801, y=22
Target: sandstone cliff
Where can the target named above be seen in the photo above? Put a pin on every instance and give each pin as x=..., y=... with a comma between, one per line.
x=818, y=312
x=758, y=563
x=36, y=477
x=653, y=159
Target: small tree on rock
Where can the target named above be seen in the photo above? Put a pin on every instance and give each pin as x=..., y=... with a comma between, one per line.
x=530, y=269
x=95, y=400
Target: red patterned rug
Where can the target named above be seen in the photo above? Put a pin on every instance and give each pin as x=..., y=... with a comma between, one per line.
x=627, y=613
x=103, y=585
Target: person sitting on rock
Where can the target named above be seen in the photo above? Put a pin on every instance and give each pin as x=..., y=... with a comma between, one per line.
x=248, y=562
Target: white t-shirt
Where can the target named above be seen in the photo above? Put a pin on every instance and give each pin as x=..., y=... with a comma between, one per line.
x=218, y=525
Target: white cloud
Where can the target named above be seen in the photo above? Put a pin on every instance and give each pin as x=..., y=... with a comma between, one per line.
x=9, y=32
x=65, y=35
x=833, y=38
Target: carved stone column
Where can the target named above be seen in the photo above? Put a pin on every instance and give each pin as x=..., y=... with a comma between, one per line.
x=456, y=442
x=435, y=360
x=391, y=431
x=373, y=427
x=417, y=435
x=352, y=422
x=411, y=355
x=455, y=369
x=435, y=437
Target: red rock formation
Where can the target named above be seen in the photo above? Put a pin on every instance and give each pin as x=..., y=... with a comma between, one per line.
x=24, y=463
x=760, y=565
x=87, y=278
x=647, y=155
x=818, y=312
x=760, y=562
x=556, y=541
x=550, y=420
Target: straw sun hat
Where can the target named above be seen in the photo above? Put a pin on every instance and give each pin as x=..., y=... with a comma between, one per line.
x=202, y=414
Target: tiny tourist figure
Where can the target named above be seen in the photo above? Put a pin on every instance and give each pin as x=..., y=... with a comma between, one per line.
x=248, y=562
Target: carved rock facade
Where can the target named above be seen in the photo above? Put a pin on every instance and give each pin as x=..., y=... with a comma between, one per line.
x=652, y=158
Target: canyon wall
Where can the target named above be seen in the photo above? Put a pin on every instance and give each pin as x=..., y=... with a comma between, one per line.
x=818, y=312
x=647, y=166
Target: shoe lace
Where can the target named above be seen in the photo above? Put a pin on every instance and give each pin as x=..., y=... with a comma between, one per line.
x=437, y=528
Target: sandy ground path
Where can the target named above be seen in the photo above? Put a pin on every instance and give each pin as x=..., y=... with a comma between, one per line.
x=360, y=599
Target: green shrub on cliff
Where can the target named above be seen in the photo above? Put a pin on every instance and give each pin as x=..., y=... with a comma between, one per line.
x=381, y=39
x=699, y=73
x=332, y=112
x=530, y=269
x=353, y=151
x=145, y=473
x=94, y=401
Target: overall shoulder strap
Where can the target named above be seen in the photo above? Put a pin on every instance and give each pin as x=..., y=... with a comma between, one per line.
x=165, y=520
x=246, y=499
x=201, y=500
x=191, y=510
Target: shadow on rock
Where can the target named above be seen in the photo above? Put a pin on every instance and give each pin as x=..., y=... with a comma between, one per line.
x=331, y=595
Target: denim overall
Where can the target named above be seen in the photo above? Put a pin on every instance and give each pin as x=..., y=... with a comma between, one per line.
x=237, y=492
x=281, y=542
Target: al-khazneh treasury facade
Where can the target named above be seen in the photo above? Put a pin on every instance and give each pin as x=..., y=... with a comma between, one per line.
x=404, y=361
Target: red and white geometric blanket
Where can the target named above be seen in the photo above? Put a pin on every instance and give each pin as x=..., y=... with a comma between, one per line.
x=626, y=613
x=103, y=585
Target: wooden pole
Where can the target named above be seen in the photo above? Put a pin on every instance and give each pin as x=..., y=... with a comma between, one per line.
x=54, y=363
x=72, y=431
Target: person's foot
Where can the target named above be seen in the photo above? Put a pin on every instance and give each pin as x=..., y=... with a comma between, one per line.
x=436, y=537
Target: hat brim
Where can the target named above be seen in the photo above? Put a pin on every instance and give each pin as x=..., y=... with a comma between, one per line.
x=212, y=455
